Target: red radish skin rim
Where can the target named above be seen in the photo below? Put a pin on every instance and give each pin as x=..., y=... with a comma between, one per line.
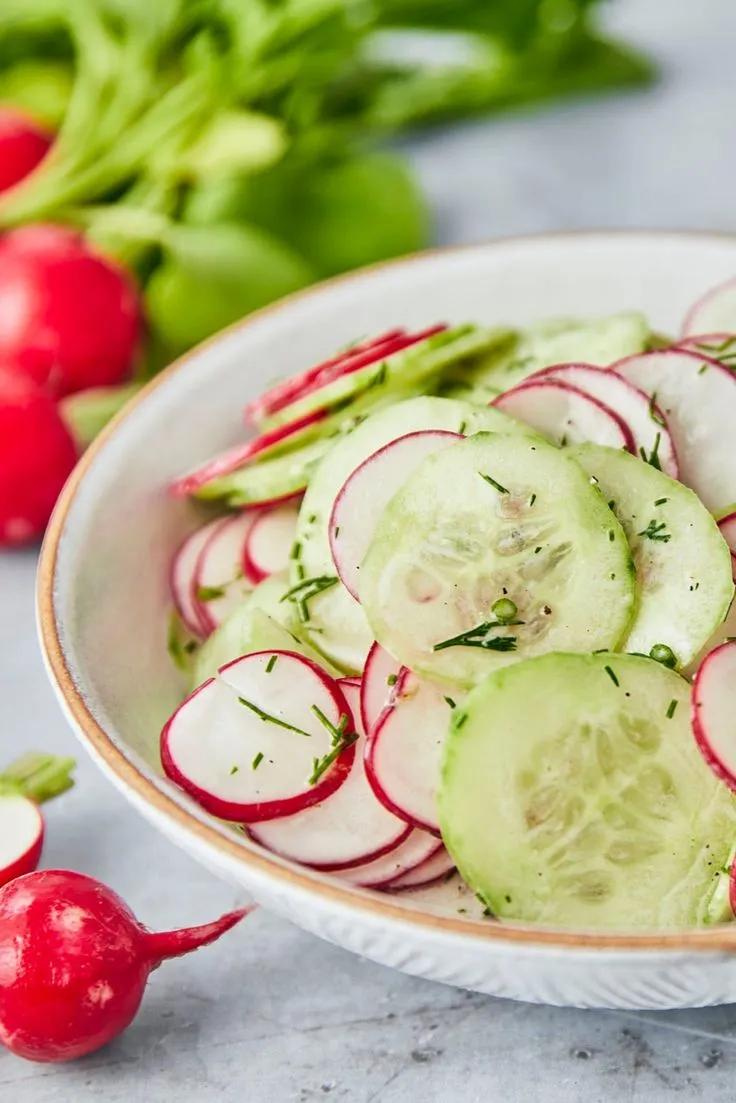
x=695, y=341
x=335, y=867
x=251, y=568
x=704, y=745
x=374, y=456
x=207, y=621
x=296, y=385
x=241, y=813
x=234, y=458
x=375, y=653
x=674, y=350
x=626, y=433
x=729, y=519
x=701, y=302
x=31, y=856
x=397, y=885
x=194, y=626
x=370, y=752
x=732, y=886
x=383, y=883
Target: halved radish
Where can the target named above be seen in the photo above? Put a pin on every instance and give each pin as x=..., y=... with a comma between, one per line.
x=380, y=676
x=350, y=827
x=238, y=456
x=359, y=356
x=367, y=491
x=405, y=750
x=270, y=735
x=646, y=422
x=182, y=577
x=727, y=525
x=380, y=873
x=714, y=711
x=698, y=398
x=219, y=582
x=428, y=872
x=715, y=312
x=269, y=542
x=565, y=415
x=21, y=836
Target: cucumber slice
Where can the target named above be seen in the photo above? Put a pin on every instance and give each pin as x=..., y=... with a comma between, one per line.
x=494, y=518
x=600, y=341
x=270, y=480
x=683, y=565
x=336, y=624
x=573, y=795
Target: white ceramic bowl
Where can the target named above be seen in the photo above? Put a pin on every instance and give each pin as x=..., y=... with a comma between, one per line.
x=103, y=599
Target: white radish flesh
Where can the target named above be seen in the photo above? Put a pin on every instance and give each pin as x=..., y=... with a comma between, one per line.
x=434, y=869
x=244, y=744
x=366, y=493
x=182, y=577
x=405, y=751
x=698, y=398
x=714, y=711
x=565, y=415
x=715, y=312
x=727, y=525
x=219, y=580
x=377, y=686
x=348, y=828
x=646, y=422
x=269, y=543
x=380, y=873
x=21, y=836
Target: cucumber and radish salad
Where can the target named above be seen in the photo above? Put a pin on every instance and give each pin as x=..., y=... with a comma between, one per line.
x=463, y=615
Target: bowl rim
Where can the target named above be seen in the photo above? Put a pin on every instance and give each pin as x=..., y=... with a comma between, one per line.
x=129, y=775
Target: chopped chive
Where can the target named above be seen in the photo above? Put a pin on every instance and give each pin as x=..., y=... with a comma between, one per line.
x=671, y=709
x=537, y=550
x=463, y=427
x=532, y=500
x=336, y=733
x=611, y=675
x=320, y=765
x=611, y=535
x=296, y=550
x=450, y=702
x=312, y=518
x=654, y=413
x=271, y=663
x=209, y=593
x=234, y=770
x=478, y=637
x=459, y=719
x=612, y=504
x=703, y=369
x=337, y=531
x=492, y=482
x=653, y=458
x=656, y=530
x=392, y=680
x=661, y=501
x=269, y=719
x=257, y=760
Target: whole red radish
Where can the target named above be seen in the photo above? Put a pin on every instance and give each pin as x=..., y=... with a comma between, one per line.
x=70, y=318
x=23, y=144
x=37, y=453
x=74, y=962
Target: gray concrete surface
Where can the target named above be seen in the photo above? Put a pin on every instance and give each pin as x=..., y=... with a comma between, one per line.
x=271, y=1015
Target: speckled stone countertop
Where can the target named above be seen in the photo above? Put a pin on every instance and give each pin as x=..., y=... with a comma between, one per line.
x=270, y=1014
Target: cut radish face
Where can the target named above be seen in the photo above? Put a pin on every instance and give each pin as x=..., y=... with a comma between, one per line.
x=21, y=836
x=436, y=868
x=235, y=458
x=698, y=398
x=366, y=493
x=714, y=711
x=380, y=873
x=646, y=422
x=727, y=525
x=714, y=313
x=269, y=736
x=404, y=754
x=182, y=577
x=269, y=542
x=565, y=415
x=380, y=676
x=219, y=582
x=350, y=827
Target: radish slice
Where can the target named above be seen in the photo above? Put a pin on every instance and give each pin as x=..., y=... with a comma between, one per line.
x=565, y=415
x=219, y=582
x=234, y=458
x=350, y=827
x=351, y=680
x=380, y=873
x=644, y=419
x=727, y=525
x=269, y=542
x=182, y=577
x=714, y=313
x=367, y=491
x=436, y=868
x=244, y=743
x=380, y=676
x=698, y=397
x=714, y=711
x=404, y=754
x=21, y=836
